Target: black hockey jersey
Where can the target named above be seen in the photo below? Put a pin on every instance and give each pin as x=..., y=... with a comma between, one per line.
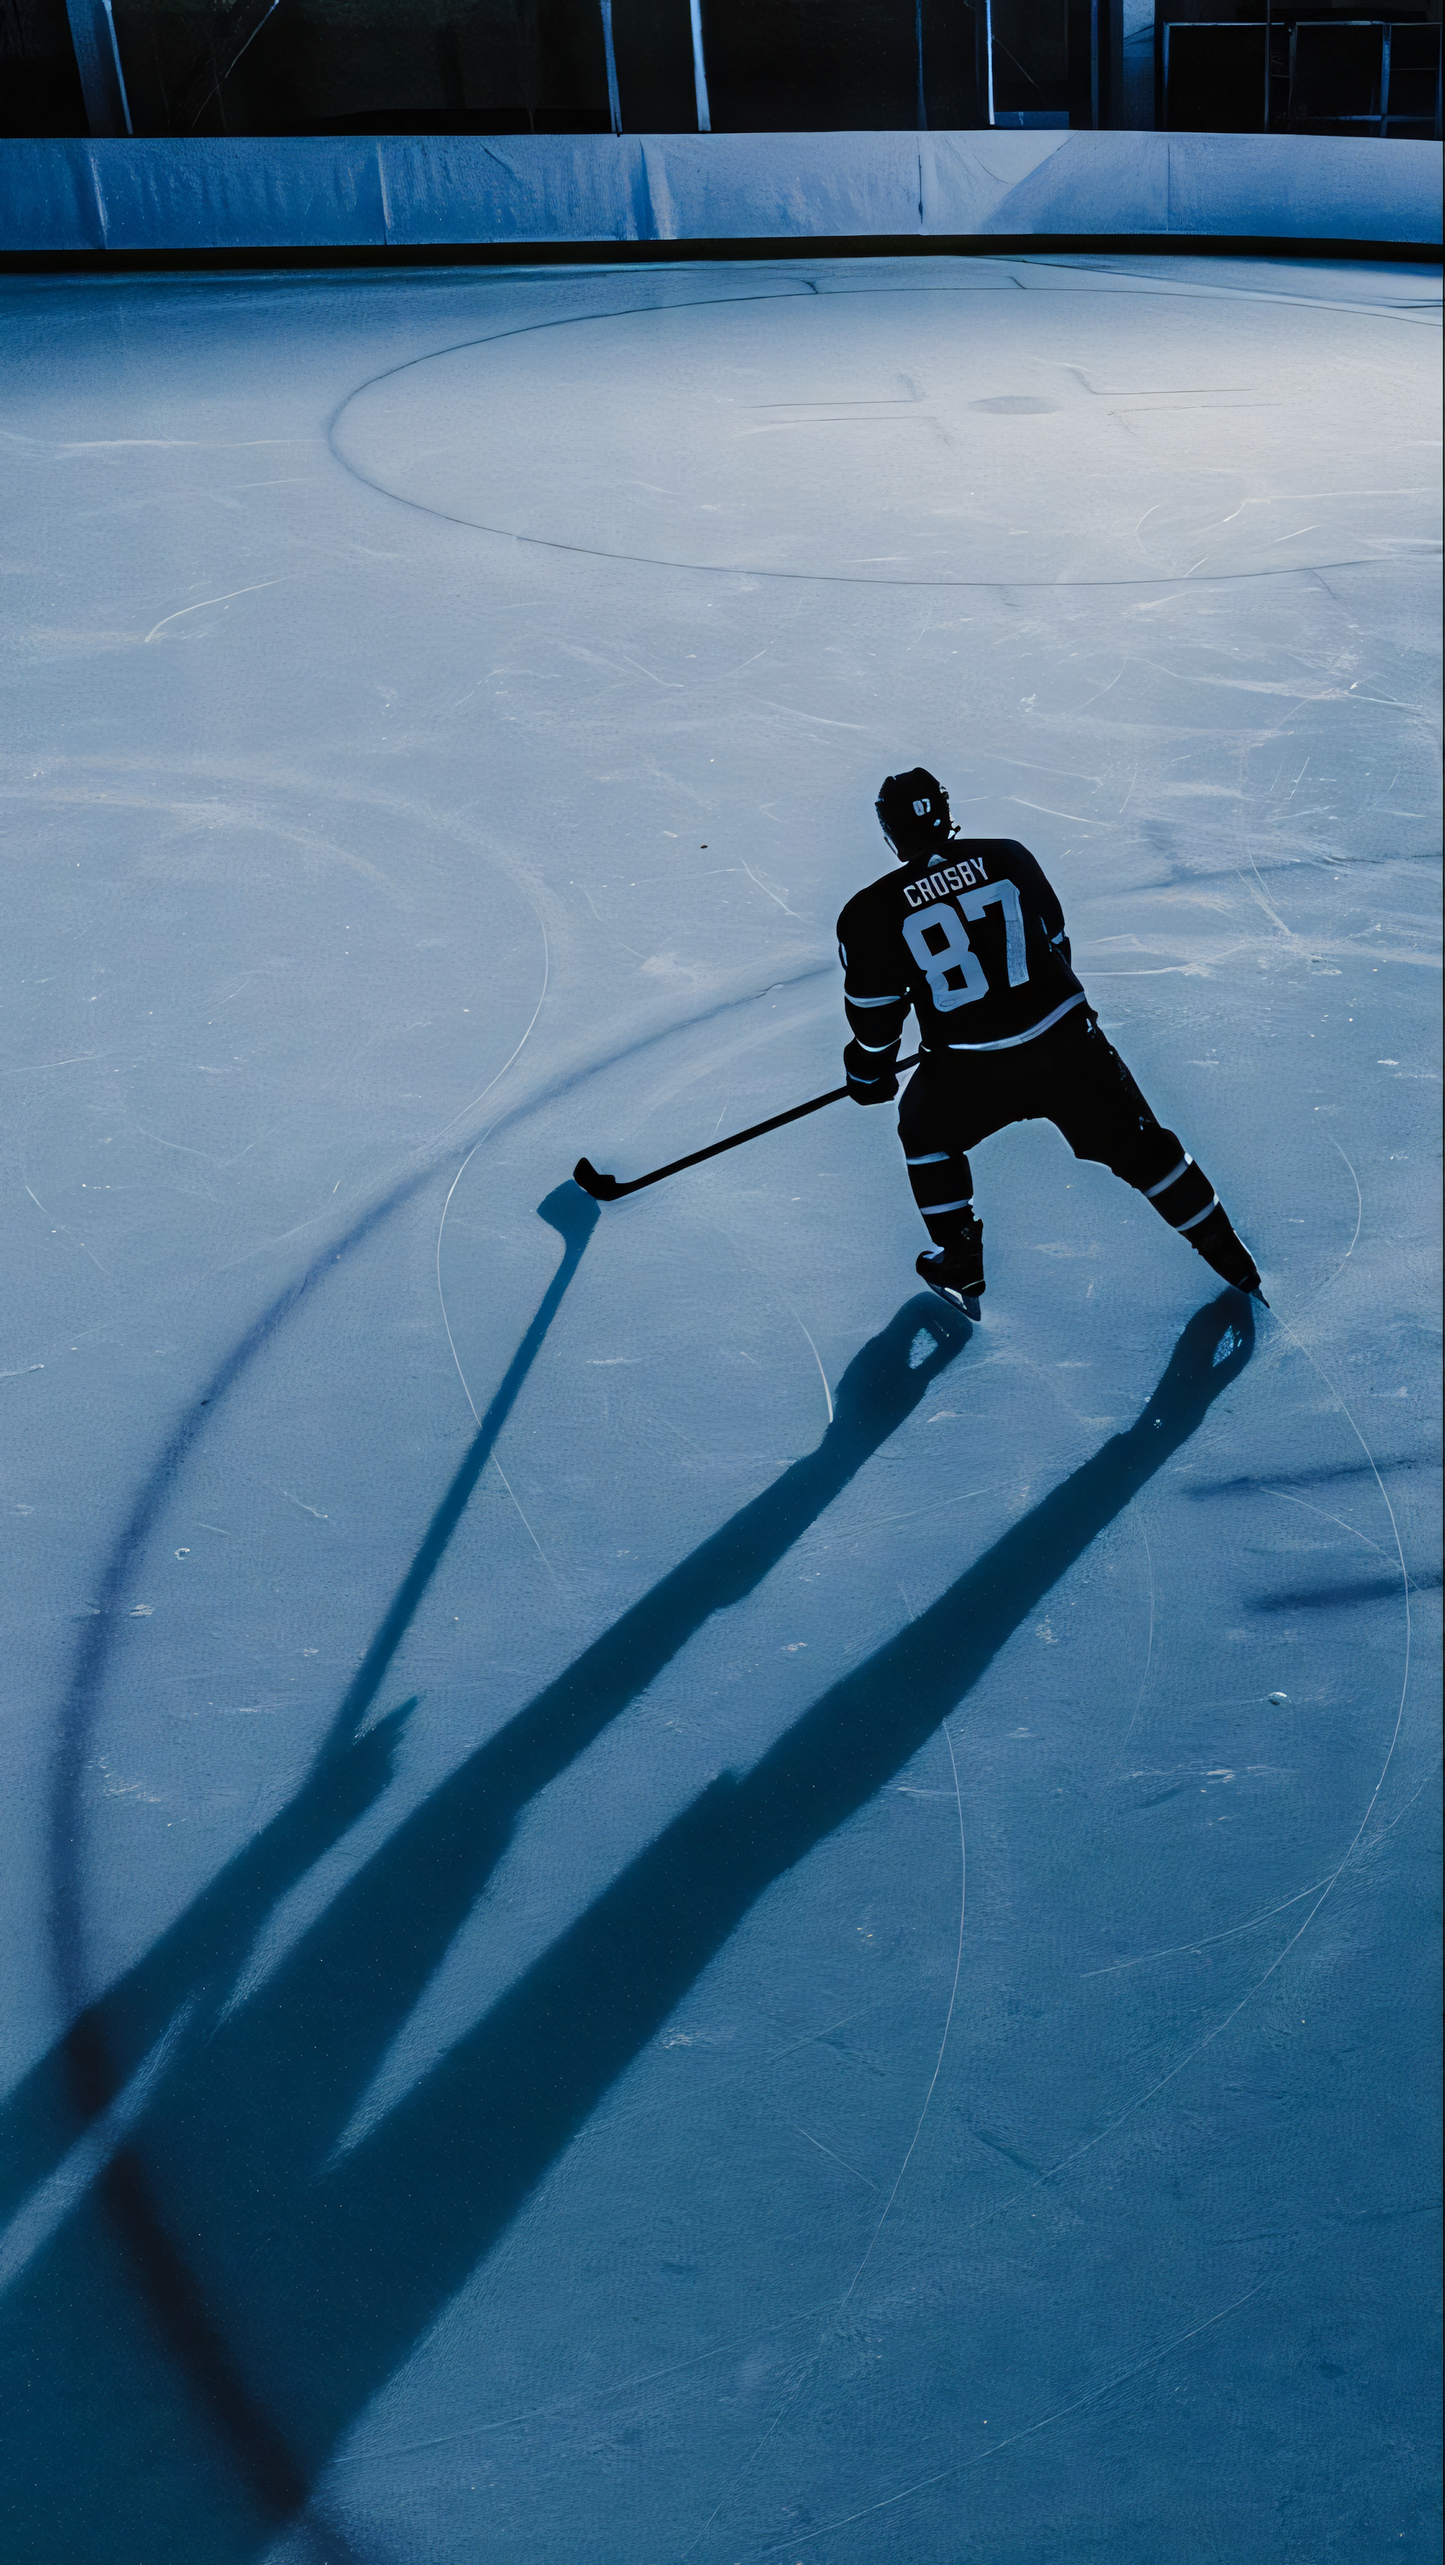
x=972, y=940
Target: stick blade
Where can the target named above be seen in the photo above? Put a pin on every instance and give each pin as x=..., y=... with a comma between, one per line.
x=601, y=1188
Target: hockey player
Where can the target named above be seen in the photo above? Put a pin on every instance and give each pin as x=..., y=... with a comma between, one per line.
x=970, y=935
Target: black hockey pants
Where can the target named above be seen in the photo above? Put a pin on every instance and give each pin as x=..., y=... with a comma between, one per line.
x=1072, y=1077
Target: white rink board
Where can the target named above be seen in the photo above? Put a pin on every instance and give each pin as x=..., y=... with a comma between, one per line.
x=404, y=191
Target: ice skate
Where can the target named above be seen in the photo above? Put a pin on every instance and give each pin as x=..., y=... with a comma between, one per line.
x=955, y=1272
x=1215, y=1241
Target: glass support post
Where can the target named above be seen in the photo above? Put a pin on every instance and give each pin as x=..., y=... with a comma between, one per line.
x=699, y=70
x=614, y=101
x=97, y=59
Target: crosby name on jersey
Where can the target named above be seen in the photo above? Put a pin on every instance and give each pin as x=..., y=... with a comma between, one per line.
x=973, y=942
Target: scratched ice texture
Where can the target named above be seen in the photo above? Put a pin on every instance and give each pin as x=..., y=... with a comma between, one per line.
x=660, y=1904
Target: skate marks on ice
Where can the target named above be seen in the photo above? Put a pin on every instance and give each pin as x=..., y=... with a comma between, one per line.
x=1311, y=1897
x=835, y=2314
x=291, y=2302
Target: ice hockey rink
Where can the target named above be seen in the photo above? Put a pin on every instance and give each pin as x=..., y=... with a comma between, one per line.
x=795, y=1932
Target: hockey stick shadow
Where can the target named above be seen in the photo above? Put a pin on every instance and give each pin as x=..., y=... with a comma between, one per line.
x=90, y=2066
x=330, y=2275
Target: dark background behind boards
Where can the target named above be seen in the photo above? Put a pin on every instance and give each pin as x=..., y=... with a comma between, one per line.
x=509, y=66
x=540, y=66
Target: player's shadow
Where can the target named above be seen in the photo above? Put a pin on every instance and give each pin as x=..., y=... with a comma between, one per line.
x=323, y=2269
x=370, y=1956
x=378, y=2239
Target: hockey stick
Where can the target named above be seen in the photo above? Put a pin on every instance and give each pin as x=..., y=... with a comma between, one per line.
x=607, y=1188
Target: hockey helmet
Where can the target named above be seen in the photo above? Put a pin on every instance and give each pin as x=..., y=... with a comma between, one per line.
x=913, y=813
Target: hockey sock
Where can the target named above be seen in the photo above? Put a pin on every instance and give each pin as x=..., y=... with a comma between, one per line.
x=942, y=1183
x=1183, y=1194
x=1216, y=1242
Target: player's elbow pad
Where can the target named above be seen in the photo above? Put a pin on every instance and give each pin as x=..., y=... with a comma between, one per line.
x=875, y=1020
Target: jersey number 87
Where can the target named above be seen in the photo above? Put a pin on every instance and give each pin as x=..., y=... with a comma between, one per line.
x=938, y=944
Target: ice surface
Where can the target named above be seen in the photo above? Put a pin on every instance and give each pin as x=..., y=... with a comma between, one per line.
x=885, y=434
x=792, y=1929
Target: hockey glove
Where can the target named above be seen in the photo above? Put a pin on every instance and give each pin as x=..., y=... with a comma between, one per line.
x=870, y=1074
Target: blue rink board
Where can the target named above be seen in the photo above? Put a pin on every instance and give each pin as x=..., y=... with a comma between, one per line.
x=660, y=1902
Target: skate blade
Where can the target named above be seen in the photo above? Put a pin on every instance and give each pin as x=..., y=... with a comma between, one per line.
x=967, y=1301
